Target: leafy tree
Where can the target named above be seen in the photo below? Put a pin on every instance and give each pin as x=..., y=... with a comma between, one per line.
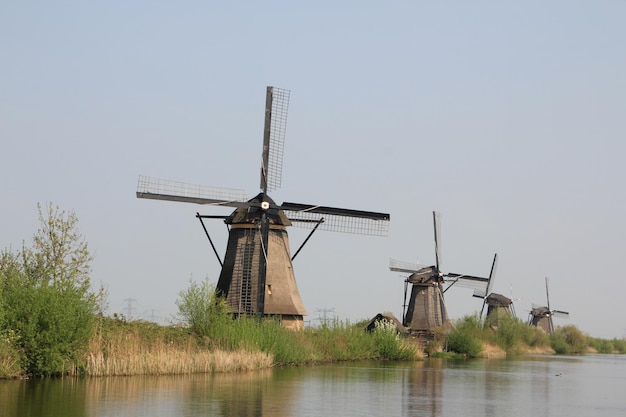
x=49, y=308
x=60, y=254
x=200, y=308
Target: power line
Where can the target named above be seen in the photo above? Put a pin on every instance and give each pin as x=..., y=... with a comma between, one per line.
x=129, y=309
x=324, y=312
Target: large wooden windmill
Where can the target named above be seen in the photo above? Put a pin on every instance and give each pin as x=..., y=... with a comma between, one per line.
x=257, y=275
x=426, y=308
x=541, y=316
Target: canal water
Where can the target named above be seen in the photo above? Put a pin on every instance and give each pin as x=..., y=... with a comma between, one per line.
x=591, y=385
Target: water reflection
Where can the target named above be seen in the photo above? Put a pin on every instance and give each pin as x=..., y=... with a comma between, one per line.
x=246, y=394
x=32, y=398
x=422, y=389
x=538, y=386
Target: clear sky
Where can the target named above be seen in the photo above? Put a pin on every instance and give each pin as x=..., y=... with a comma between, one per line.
x=506, y=117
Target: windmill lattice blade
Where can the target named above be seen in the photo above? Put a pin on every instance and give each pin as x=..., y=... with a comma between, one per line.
x=469, y=281
x=160, y=189
x=561, y=314
x=406, y=267
x=492, y=274
x=479, y=294
x=340, y=223
x=547, y=294
x=276, y=106
x=437, y=231
x=335, y=211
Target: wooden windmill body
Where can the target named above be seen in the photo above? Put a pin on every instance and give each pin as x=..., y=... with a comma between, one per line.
x=239, y=281
x=426, y=309
x=541, y=316
x=499, y=309
x=498, y=305
x=257, y=275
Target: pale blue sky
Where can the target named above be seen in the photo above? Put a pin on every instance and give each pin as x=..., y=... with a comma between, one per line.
x=508, y=118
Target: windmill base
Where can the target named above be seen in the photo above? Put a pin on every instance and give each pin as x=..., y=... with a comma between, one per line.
x=288, y=321
x=292, y=322
x=421, y=337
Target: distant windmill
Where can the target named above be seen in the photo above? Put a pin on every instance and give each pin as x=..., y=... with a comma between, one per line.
x=426, y=308
x=257, y=274
x=497, y=304
x=541, y=316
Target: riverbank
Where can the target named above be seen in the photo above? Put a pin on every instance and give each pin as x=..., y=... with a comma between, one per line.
x=509, y=336
x=121, y=348
x=141, y=348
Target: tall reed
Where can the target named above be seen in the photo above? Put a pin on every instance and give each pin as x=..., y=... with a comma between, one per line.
x=147, y=349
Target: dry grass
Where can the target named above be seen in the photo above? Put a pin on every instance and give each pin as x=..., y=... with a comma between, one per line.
x=492, y=351
x=130, y=354
x=10, y=364
x=539, y=350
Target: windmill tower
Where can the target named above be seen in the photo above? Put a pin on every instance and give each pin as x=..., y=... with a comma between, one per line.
x=426, y=308
x=257, y=274
x=541, y=316
x=498, y=305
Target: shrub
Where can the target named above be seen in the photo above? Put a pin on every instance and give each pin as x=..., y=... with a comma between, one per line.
x=387, y=342
x=464, y=343
x=513, y=335
x=619, y=345
x=558, y=343
x=48, y=306
x=200, y=308
x=466, y=337
x=606, y=346
x=574, y=340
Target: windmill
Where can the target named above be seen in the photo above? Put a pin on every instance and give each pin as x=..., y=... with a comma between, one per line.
x=426, y=307
x=497, y=304
x=257, y=274
x=541, y=316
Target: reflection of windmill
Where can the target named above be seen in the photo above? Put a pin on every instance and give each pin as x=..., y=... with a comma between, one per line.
x=498, y=305
x=426, y=308
x=257, y=274
x=541, y=316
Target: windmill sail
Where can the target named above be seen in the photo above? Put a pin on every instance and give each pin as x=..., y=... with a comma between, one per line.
x=276, y=106
x=338, y=219
x=160, y=189
x=478, y=284
x=402, y=266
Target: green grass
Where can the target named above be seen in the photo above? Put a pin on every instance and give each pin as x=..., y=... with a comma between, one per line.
x=516, y=337
x=607, y=345
x=336, y=341
x=119, y=347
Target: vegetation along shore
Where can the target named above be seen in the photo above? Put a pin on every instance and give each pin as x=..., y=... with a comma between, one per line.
x=52, y=323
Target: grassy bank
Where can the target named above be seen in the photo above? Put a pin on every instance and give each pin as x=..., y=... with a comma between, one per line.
x=472, y=338
x=140, y=348
x=118, y=347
